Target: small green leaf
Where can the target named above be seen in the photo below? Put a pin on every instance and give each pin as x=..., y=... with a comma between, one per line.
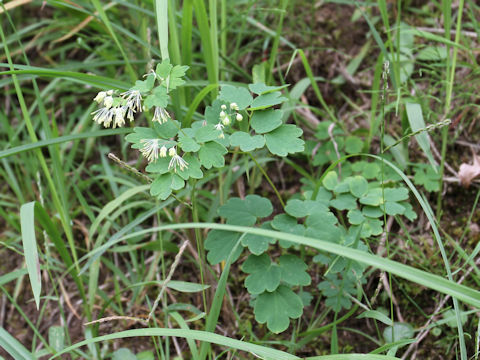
x=374, y=197
x=397, y=332
x=451, y=318
x=245, y=212
x=293, y=271
x=238, y=95
x=167, y=130
x=344, y=202
x=176, y=76
x=371, y=170
x=264, y=275
x=322, y=226
x=267, y=120
x=192, y=170
x=330, y=180
x=246, y=141
x=146, y=85
x=432, y=53
x=163, y=185
x=396, y=194
x=212, y=112
x=287, y=224
x=355, y=217
x=138, y=134
x=158, y=98
x=277, y=308
x=285, y=140
x=159, y=167
x=358, y=186
x=267, y=100
x=123, y=354
x=301, y=208
x=207, y=133
x=187, y=143
x=261, y=88
x=393, y=208
x=372, y=212
x=353, y=145
x=211, y=154
x=258, y=244
x=220, y=244
x=163, y=69
x=429, y=178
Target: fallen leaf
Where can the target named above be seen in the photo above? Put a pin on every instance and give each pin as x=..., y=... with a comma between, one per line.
x=468, y=172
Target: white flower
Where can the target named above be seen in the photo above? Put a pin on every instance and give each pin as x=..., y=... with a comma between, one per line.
x=224, y=107
x=119, y=117
x=172, y=151
x=239, y=117
x=110, y=92
x=222, y=114
x=134, y=99
x=177, y=160
x=221, y=136
x=234, y=106
x=108, y=102
x=129, y=112
x=103, y=116
x=163, y=151
x=219, y=126
x=150, y=149
x=226, y=120
x=161, y=115
x=100, y=96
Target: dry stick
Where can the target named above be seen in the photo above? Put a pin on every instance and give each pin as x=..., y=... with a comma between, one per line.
x=157, y=300
x=383, y=281
x=167, y=280
x=422, y=334
x=67, y=300
x=123, y=164
x=330, y=133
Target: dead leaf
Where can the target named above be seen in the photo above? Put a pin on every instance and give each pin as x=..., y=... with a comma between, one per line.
x=468, y=172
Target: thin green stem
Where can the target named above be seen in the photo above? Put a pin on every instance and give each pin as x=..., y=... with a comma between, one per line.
x=268, y=179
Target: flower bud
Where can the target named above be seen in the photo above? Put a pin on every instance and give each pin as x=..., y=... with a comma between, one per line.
x=239, y=117
x=226, y=120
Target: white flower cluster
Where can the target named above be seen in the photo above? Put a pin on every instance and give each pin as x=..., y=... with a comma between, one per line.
x=225, y=118
x=152, y=150
x=116, y=108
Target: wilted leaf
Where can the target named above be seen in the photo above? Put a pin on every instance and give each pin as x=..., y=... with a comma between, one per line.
x=468, y=172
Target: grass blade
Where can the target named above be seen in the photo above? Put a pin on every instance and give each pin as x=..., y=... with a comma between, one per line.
x=13, y=346
x=27, y=223
x=259, y=351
